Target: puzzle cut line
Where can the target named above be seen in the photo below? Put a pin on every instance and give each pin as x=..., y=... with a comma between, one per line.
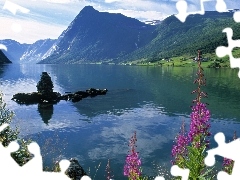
x=227, y=150
x=182, y=8
x=222, y=51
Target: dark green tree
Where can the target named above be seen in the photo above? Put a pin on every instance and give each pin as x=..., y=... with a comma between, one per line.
x=8, y=135
x=45, y=85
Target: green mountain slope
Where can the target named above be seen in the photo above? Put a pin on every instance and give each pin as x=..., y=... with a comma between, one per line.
x=176, y=38
x=98, y=36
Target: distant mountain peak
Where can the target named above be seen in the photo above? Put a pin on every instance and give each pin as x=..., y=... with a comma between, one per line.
x=88, y=9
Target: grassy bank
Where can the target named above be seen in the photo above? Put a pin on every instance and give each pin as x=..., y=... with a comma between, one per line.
x=209, y=61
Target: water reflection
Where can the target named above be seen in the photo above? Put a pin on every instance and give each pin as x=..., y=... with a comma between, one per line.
x=167, y=87
x=46, y=111
x=108, y=134
x=2, y=69
x=151, y=100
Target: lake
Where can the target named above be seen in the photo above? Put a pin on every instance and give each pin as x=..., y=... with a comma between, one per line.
x=153, y=101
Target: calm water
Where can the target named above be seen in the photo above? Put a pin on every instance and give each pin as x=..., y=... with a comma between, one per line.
x=151, y=100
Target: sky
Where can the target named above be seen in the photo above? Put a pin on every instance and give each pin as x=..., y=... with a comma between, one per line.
x=42, y=19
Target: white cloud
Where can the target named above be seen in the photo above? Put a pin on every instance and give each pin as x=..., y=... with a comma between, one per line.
x=111, y=1
x=142, y=15
x=45, y=19
x=31, y=30
x=118, y=134
x=48, y=18
x=141, y=9
x=60, y=1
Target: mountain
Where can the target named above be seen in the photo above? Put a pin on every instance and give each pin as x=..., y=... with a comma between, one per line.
x=27, y=53
x=14, y=49
x=37, y=51
x=95, y=36
x=3, y=58
x=175, y=38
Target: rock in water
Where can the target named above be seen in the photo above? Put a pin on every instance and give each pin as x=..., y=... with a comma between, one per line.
x=45, y=93
x=75, y=170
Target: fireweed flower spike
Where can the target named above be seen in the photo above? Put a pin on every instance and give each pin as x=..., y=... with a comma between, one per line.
x=179, y=150
x=228, y=163
x=132, y=162
x=194, y=145
x=199, y=126
x=199, y=129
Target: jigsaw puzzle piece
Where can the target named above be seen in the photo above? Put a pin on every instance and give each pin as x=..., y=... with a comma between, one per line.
x=182, y=7
x=13, y=8
x=53, y=175
x=10, y=165
x=86, y=178
x=31, y=170
x=236, y=16
x=182, y=10
x=5, y=154
x=3, y=126
x=159, y=178
x=221, y=6
x=223, y=176
x=36, y=161
x=228, y=150
x=222, y=51
x=210, y=158
x=13, y=147
x=177, y=171
x=34, y=166
x=2, y=46
x=220, y=150
x=64, y=164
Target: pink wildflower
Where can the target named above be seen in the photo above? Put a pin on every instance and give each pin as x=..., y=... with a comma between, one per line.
x=133, y=162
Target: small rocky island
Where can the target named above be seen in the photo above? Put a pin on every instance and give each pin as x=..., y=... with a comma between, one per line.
x=45, y=93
